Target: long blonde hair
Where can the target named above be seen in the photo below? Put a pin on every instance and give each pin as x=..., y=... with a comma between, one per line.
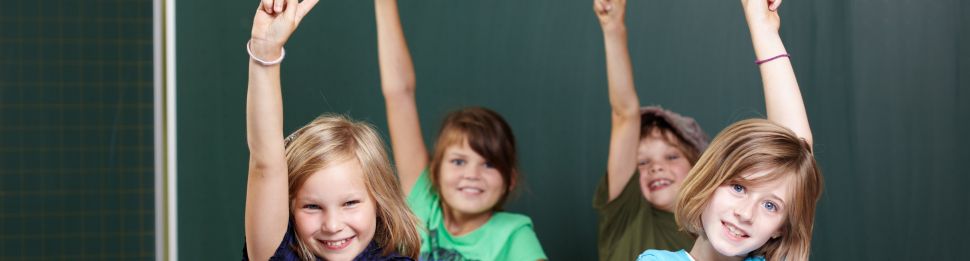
x=757, y=145
x=331, y=139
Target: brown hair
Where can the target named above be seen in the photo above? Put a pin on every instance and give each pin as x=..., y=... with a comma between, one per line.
x=669, y=135
x=488, y=135
x=332, y=139
x=751, y=146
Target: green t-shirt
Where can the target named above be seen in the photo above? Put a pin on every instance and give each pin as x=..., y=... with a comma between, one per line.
x=628, y=225
x=506, y=236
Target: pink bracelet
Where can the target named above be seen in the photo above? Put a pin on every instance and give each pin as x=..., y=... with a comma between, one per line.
x=771, y=59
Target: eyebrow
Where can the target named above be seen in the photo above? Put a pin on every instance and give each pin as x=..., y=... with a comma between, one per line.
x=457, y=154
x=777, y=198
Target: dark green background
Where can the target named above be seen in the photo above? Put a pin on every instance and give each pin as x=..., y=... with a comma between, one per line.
x=886, y=85
x=77, y=167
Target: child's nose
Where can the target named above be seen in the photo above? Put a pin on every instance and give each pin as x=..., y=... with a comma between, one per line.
x=331, y=224
x=656, y=167
x=743, y=210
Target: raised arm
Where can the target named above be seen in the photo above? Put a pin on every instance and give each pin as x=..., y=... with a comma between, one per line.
x=625, y=133
x=783, y=99
x=267, y=206
x=397, y=84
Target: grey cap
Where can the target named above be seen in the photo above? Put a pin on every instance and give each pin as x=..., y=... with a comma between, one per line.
x=686, y=127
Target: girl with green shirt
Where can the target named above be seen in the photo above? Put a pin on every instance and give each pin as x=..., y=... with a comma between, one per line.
x=458, y=194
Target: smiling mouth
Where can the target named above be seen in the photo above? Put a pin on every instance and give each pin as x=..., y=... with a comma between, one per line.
x=337, y=244
x=733, y=232
x=471, y=190
x=659, y=184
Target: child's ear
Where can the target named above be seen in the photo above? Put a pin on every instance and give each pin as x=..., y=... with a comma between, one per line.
x=512, y=181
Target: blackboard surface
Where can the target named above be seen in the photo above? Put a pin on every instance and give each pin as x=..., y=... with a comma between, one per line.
x=885, y=84
x=76, y=131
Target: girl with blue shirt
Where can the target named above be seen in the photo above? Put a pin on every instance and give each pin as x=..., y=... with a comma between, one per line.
x=752, y=194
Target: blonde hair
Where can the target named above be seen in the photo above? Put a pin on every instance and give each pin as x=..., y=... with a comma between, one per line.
x=750, y=146
x=488, y=135
x=331, y=139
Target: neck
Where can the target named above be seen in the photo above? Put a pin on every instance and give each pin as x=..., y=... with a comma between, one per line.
x=459, y=223
x=704, y=251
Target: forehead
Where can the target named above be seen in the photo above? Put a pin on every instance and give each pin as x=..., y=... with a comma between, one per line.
x=338, y=179
x=461, y=148
x=774, y=182
x=657, y=143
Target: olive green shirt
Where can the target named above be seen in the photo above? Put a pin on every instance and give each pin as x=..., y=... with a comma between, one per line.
x=629, y=224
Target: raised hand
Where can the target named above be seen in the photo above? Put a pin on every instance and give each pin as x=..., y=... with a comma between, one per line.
x=274, y=22
x=610, y=13
x=762, y=14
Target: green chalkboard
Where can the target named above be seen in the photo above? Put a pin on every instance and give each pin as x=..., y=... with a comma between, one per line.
x=77, y=170
x=886, y=88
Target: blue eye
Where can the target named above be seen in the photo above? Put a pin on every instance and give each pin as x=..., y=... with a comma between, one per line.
x=737, y=188
x=458, y=162
x=673, y=157
x=770, y=206
x=311, y=206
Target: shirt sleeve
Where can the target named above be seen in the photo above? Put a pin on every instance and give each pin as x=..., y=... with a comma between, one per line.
x=623, y=214
x=422, y=199
x=524, y=245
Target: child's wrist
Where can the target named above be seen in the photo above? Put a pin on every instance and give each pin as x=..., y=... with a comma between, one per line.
x=614, y=29
x=761, y=29
x=264, y=52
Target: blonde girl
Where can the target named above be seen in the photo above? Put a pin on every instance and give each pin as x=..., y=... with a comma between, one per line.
x=752, y=194
x=651, y=152
x=325, y=192
x=458, y=194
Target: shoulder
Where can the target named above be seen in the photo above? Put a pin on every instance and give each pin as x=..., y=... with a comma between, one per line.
x=512, y=221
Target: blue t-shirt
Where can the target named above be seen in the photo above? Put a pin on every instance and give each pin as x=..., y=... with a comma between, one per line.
x=287, y=250
x=663, y=255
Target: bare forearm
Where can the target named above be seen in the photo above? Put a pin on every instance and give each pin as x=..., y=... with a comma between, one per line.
x=619, y=71
x=396, y=68
x=264, y=115
x=783, y=99
x=398, y=85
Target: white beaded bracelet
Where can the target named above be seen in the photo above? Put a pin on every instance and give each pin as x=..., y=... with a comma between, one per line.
x=262, y=62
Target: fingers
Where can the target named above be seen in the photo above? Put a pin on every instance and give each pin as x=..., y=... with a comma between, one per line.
x=602, y=6
x=290, y=8
x=774, y=4
x=266, y=5
x=272, y=6
x=304, y=7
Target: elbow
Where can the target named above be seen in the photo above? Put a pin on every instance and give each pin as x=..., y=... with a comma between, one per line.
x=259, y=166
x=398, y=90
x=626, y=111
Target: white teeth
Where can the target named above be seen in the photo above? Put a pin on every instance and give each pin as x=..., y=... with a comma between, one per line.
x=335, y=243
x=735, y=231
x=472, y=190
x=660, y=182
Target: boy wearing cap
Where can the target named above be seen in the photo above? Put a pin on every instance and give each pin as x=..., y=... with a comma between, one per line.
x=652, y=146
